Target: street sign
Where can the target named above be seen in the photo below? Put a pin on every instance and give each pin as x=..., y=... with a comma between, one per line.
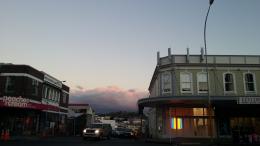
x=248, y=100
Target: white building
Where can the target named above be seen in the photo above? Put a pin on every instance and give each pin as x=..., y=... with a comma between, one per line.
x=190, y=98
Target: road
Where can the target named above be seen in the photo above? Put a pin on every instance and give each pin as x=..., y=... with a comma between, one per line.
x=77, y=141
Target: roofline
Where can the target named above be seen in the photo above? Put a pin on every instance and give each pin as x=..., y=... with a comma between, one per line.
x=158, y=67
x=211, y=55
x=77, y=104
x=42, y=72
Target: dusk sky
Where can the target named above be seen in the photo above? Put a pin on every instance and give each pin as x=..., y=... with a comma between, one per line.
x=106, y=49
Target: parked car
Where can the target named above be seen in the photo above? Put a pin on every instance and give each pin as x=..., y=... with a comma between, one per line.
x=98, y=131
x=124, y=133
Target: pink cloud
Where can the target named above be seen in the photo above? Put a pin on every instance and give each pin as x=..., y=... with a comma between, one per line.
x=107, y=99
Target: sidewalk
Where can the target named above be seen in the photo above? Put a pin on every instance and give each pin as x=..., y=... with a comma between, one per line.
x=19, y=138
x=196, y=142
x=48, y=138
x=183, y=141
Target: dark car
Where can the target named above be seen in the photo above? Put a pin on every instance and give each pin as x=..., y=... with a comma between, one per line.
x=124, y=133
x=98, y=131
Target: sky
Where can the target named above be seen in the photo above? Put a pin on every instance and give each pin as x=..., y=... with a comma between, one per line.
x=106, y=49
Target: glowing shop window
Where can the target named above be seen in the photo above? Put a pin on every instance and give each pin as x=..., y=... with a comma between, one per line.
x=176, y=123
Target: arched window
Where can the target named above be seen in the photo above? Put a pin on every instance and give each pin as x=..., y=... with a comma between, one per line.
x=249, y=79
x=229, y=85
x=166, y=82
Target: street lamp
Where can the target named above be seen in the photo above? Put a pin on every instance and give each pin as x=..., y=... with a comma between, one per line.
x=205, y=45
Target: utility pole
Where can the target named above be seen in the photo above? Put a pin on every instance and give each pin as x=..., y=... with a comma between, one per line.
x=207, y=70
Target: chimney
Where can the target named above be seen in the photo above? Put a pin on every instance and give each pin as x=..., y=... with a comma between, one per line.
x=169, y=54
x=201, y=54
x=188, y=55
x=158, y=58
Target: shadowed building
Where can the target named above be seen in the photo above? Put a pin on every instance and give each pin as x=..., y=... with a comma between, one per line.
x=178, y=105
x=31, y=101
x=80, y=116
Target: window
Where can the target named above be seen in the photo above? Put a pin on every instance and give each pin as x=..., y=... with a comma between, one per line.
x=64, y=98
x=49, y=93
x=249, y=79
x=186, y=82
x=58, y=97
x=35, y=85
x=176, y=123
x=202, y=82
x=43, y=91
x=229, y=82
x=52, y=94
x=46, y=93
x=10, y=85
x=166, y=82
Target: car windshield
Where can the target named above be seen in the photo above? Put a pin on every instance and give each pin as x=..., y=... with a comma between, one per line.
x=95, y=126
x=123, y=129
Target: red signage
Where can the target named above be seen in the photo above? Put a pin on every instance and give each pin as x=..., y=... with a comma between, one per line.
x=20, y=102
x=15, y=101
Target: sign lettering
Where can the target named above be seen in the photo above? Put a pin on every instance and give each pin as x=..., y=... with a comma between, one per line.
x=248, y=100
x=15, y=101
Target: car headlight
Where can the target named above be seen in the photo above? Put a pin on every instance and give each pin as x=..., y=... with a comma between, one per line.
x=84, y=131
x=96, y=131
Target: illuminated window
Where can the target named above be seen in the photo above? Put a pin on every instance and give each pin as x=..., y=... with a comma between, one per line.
x=198, y=112
x=176, y=123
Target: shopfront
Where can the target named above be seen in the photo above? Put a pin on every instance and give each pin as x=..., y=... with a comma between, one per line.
x=238, y=121
x=23, y=116
x=31, y=101
x=170, y=118
x=20, y=121
x=174, y=122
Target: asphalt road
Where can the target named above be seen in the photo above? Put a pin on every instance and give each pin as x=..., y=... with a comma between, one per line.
x=77, y=141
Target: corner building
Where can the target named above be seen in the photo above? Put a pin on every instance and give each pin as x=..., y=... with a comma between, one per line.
x=32, y=102
x=180, y=104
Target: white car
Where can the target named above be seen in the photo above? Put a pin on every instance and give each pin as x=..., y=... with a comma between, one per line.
x=97, y=131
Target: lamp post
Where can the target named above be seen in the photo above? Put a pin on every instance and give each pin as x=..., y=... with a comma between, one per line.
x=209, y=99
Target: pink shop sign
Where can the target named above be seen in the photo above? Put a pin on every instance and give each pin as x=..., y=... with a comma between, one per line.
x=15, y=101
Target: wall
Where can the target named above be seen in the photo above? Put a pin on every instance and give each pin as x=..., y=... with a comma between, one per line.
x=215, y=80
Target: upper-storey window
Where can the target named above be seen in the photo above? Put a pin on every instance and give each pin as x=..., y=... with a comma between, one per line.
x=64, y=98
x=229, y=85
x=166, y=82
x=35, y=85
x=202, y=82
x=186, y=82
x=249, y=79
x=10, y=85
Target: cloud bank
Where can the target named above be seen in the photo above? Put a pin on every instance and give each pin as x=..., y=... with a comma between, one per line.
x=108, y=99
